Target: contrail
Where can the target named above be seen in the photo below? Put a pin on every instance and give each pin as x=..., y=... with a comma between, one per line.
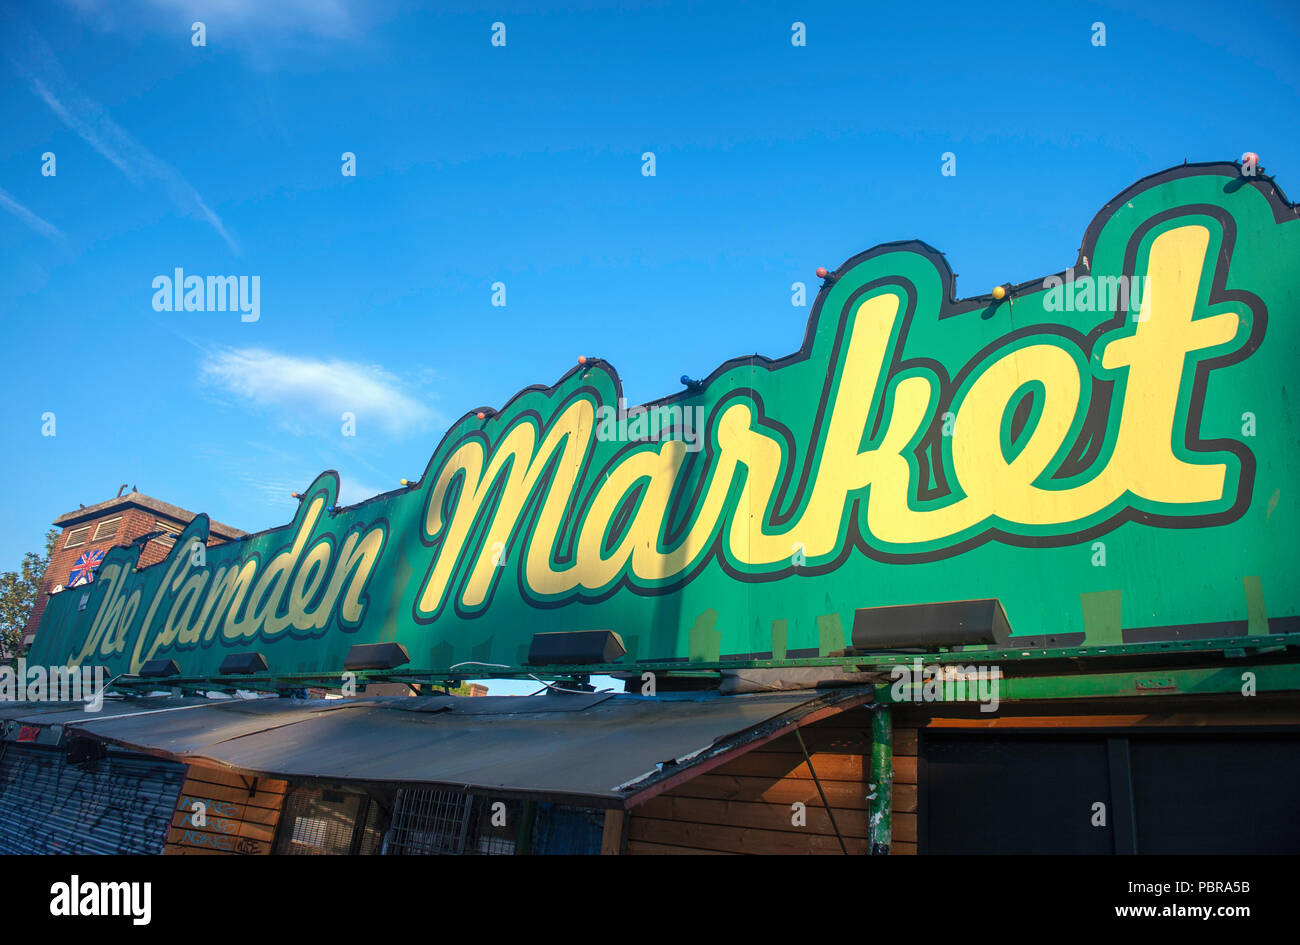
x=31, y=219
x=34, y=61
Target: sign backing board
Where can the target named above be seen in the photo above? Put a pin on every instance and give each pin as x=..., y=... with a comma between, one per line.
x=1110, y=452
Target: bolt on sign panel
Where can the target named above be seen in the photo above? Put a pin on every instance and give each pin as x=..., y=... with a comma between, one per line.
x=1109, y=452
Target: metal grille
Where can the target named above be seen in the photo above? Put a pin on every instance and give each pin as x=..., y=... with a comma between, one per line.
x=435, y=821
x=118, y=804
x=372, y=835
x=310, y=831
x=319, y=821
x=107, y=528
x=490, y=835
x=429, y=822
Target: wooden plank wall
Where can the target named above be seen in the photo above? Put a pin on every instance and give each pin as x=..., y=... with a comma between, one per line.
x=745, y=805
x=237, y=822
x=614, y=835
x=905, y=742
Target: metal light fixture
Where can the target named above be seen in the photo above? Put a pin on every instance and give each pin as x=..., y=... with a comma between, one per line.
x=242, y=664
x=576, y=647
x=376, y=656
x=926, y=626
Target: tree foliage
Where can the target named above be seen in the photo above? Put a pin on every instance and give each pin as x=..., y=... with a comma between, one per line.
x=19, y=591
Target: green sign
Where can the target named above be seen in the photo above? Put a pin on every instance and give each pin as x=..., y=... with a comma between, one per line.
x=1111, y=452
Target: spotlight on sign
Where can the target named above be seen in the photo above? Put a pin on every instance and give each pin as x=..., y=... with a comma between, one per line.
x=575, y=647
x=295, y=495
x=242, y=664
x=160, y=668
x=928, y=626
x=822, y=272
x=999, y=292
x=485, y=413
x=407, y=482
x=376, y=656
x=691, y=384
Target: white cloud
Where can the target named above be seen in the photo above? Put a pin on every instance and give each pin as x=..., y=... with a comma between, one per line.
x=31, y=219
x=40, y=69
x=291, y=385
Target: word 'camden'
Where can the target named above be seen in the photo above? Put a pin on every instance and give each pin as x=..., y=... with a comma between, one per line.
x=301, y=590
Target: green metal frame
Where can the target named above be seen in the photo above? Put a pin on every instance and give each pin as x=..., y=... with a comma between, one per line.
x=1093, y=680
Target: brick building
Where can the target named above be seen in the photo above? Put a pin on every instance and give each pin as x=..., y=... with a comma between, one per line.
x=121, y=520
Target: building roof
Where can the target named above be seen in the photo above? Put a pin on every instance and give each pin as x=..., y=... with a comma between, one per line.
x=603, y=749
x=141, y=501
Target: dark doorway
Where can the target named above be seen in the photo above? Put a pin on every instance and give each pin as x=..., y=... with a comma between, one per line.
x=1162, y=793
x=1217, y=793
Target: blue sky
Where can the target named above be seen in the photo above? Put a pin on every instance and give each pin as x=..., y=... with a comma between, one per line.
x=522, y=165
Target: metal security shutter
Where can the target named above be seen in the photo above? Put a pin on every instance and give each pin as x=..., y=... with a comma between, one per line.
x=1017, y=794
x=1163, y=792
x=118, y=804
x=1222, y=794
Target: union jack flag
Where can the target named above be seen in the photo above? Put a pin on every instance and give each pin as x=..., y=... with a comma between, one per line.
x=83, y=572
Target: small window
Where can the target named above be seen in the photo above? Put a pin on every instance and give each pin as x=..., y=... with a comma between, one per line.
x=77, y=537
x=107, y=528
x=171, y=528
x=317, y=821
x=310, y=831
x=564, y=830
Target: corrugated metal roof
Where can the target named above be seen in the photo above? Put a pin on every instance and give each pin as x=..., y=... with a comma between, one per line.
x=599, y=747
x=59, y=713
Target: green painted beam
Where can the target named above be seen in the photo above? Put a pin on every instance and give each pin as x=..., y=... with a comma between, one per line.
x=1061, y=686
x=1160, y=682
